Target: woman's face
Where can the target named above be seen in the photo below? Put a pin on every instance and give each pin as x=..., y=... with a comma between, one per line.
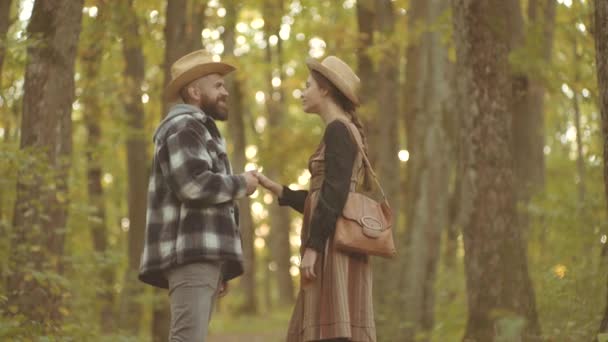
x=311, y=96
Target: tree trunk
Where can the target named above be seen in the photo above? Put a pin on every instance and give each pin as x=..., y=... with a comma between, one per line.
x=91, y=58
x=428, y=197
x=236, y=125
x=267, y=283
x=537, y=87
x=456, y=207
x=195, y=25
x=5, y=21
x=365, y=20
x=526, y=124
x=137, y=163
x=527, y=103
x=182, y=34
x=498, y=284
x=280, y=248
x=175, y=28
x=41, y=206
x=531, y=174
x=580, y=161
x=601, y=58
x=281, y=252
x=386, y=143
x=237, y=132
x=381, y=111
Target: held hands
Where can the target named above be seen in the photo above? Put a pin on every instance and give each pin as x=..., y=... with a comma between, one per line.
x=255, y=178
x=252, y=181
x=272, y=186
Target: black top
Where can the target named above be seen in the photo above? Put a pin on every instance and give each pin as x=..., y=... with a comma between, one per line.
x=340, y=154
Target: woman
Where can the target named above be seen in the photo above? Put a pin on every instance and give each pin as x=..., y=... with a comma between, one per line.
x=335, y=298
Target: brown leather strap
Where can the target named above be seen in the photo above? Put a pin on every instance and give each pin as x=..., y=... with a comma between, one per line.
x=366, y=162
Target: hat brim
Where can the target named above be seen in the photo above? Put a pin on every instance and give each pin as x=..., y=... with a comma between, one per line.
x=174, y=87
x=336, y=80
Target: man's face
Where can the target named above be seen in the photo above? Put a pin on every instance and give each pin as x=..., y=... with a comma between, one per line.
x=213, y=96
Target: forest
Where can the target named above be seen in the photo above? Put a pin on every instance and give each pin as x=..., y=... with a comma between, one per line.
x=487, y=124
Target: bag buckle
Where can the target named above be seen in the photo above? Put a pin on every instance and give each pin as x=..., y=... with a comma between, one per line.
x=372, y=227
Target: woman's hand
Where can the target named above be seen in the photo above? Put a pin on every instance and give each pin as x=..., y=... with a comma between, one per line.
x=307, y=267
x=223, y=290
x=274, y=187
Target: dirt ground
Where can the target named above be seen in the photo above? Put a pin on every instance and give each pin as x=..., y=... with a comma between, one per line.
x=277, y=336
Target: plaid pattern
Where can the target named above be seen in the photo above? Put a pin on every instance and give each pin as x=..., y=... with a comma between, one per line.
x=192, y=215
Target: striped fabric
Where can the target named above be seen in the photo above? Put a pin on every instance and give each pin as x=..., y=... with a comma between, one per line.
x=338, y=304
x=191, y=214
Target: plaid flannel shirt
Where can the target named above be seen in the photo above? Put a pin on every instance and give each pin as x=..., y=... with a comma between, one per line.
x=192, y=215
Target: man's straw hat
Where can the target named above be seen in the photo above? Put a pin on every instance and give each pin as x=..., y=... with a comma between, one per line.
x=192, y=67
x=338, y=73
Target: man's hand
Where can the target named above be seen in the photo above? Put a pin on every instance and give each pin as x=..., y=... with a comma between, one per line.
x=223, y=290
x=252, y=181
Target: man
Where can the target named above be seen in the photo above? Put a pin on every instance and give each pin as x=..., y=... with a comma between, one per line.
x=192, y=243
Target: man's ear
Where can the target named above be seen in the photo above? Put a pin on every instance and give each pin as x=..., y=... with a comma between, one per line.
x=194, y=93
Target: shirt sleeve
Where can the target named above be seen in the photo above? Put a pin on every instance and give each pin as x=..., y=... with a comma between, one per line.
x=293, y=198
x=187, y=168
x=340, y=154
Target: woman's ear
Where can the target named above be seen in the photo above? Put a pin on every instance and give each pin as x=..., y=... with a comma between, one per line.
x=324, y=92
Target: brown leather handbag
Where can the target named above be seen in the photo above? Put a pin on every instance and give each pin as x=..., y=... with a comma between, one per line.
x=366, y=225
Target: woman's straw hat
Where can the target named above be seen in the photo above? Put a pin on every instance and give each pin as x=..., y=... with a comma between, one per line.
x=192, y=67
x=339, y=74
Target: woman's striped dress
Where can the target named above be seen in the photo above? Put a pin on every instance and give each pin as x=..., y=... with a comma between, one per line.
x=338, y=303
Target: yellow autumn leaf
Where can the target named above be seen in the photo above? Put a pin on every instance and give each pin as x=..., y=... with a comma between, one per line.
x=64, y=311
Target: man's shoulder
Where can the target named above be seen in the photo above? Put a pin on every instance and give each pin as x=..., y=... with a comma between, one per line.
x=185, y=121
x=179, y=123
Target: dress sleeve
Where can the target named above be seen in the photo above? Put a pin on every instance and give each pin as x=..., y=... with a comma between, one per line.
x=293, y=198
x=340, y=154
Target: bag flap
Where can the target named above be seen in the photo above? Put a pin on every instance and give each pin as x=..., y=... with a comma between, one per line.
x=358, y=206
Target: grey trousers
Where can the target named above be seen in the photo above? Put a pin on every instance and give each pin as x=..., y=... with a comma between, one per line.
x=192, y=292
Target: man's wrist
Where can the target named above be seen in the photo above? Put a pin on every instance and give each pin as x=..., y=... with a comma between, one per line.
x=241, y=185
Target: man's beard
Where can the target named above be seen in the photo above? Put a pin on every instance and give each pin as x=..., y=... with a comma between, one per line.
x=214, y=109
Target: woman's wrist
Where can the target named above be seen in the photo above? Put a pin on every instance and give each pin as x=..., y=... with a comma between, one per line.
x=278, y=189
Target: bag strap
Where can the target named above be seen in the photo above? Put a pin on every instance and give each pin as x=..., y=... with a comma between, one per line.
x=366, y=162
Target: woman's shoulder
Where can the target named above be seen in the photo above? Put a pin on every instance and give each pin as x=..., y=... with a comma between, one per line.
x=337, y=131
x=337, y=126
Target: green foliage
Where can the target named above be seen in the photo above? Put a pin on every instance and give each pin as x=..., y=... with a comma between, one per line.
x=565, y=245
